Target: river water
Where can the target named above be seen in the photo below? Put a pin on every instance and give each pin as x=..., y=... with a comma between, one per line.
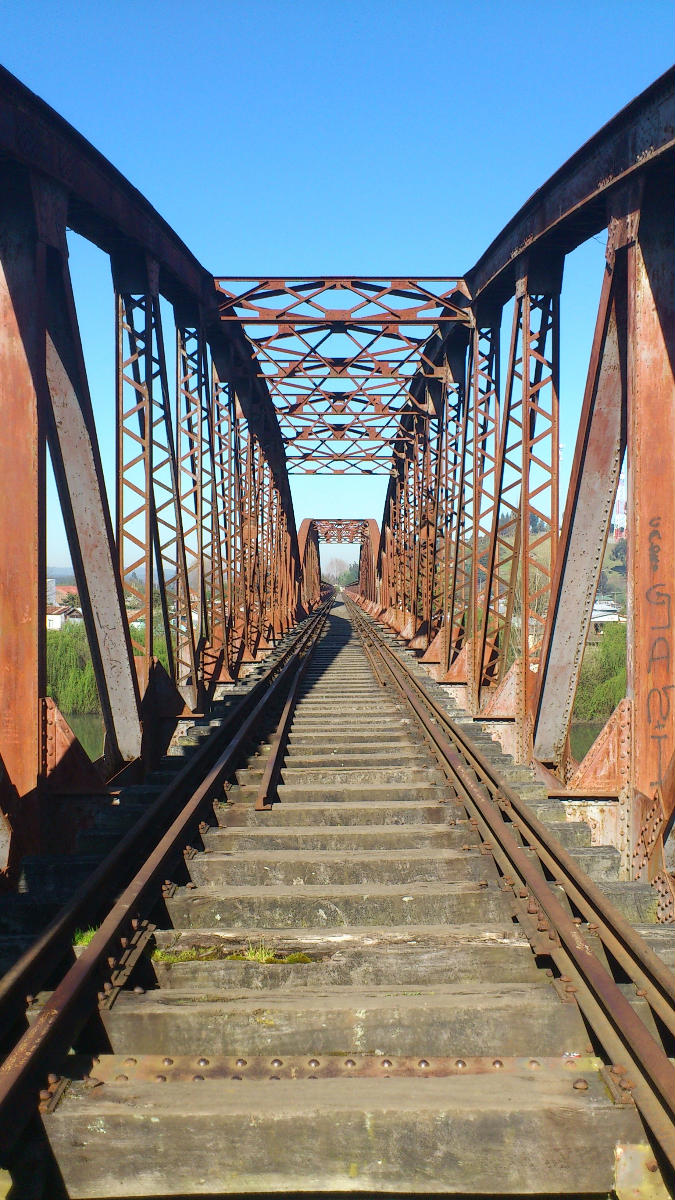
x=88, y=729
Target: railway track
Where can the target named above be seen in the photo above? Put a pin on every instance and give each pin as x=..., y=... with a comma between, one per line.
x=357, y=960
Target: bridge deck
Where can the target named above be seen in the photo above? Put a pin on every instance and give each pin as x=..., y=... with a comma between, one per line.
x=403, y=1037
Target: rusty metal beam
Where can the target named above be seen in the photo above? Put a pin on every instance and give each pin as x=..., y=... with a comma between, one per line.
x=572, y=205
x=592, y=490
x=22, y=517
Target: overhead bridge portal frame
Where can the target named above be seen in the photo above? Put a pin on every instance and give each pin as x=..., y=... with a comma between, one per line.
x=224, y=388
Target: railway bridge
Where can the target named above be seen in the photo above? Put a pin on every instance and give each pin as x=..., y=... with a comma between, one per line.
x=437, y=841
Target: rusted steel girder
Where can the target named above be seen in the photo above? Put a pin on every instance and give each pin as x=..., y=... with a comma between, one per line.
x=340, y=357
x=43, y=368
x=516, y=593
x=175, y=478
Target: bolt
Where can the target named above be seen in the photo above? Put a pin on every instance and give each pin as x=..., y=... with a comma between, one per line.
x=30, y=1000
x=124, y=942
x=52, y=1079
x=111, y=961
x=640, y=991
x=45, y=1095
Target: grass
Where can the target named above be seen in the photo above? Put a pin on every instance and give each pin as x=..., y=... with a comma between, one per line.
x=259, y=953
x=190, y=954
x=82, y=937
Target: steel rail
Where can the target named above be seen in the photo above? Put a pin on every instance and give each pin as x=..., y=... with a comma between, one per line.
x=75, y=996
x=616, y=932
x=610, y=1015
x=30, y=971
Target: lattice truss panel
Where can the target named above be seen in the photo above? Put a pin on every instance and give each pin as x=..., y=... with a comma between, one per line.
x=349, y=531
x=339, y=357
x=205, y=549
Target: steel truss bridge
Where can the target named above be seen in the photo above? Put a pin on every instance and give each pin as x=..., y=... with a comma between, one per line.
x=473, y=562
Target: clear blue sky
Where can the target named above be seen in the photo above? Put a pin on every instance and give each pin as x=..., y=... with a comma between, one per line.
x=336, y=136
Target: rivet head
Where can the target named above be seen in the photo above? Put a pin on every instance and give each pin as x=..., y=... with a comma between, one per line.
x=534, y=1063
x=580, y=1085
x=460, y=1063
x=350, y=1063
x=196, y=1078
x=497, y=1063
x=386, y=1063
x=121, y=1078
x=241, y=1062
x=130, y=1062
x=160, y=1078
x=167, y=1062
x=276, y=1062
x=313, y=1062
x=52, y=1078
x=202, y=1062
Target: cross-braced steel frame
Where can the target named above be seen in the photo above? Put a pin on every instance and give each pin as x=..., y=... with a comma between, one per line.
x=449, y=387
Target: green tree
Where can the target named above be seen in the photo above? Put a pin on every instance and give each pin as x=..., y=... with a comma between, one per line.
x=602, y=680
x=351, y=575
x=70, y=674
